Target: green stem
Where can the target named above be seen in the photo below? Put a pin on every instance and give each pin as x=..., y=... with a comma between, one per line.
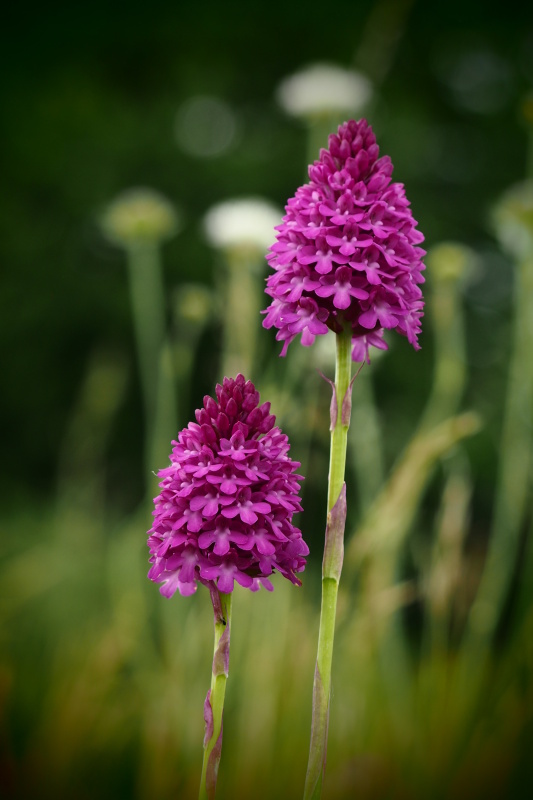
x=241, y=313
x=366, y=443
x=147, y=300
x=339, y=434
x=449, y=263
x=331, y=567
x=214, y=704
x=155, y=368
x=319, y=129
x=514, y=473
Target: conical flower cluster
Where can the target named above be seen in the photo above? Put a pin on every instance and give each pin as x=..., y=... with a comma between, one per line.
x=227, y=499
x=347, y=250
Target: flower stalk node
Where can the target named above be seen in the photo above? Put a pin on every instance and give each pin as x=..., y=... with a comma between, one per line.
x=333, y=408
x=347, y=401
x=334, y=544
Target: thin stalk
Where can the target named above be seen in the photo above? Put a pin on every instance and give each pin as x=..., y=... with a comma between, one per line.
x=147, y=301
x=450, y=265
x=241, y=312
x=331, y=565
x=367, y=446
x=381, y=38
x=319, y=128
x=155, y=368
x=514, y=473
x=214, y=702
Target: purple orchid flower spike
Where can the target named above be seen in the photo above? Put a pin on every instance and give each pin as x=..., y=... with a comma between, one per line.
x=230, y=477
x=224, y=516
x=346, y=259
x=347, y=251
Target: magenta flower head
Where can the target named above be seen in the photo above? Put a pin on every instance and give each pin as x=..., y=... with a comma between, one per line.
x=347, y=250
x=227, y=499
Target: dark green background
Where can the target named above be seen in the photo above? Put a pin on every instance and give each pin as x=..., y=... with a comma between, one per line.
x=88, y=103
x=89, y=98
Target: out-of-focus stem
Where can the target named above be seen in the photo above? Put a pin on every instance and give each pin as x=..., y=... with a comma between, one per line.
x=514, y=469
x=447, y=558
x=147, y=301
x=331, y=566
x=381, y=35
x=367, y=449
x=164, y=423
x=448, y=265
x=527, y=110
x=388, y=520
x=214, y=703
x=319, y=129
x=81, y=472
x=241, y=312
x=390, y=516
x=155, y=367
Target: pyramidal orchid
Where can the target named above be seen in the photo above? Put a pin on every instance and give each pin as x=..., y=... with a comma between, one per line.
x=346, y=259
x=347, y=252
x=224, y=516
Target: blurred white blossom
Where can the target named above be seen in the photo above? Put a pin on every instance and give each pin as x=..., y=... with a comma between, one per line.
x=139, y=215
x=247, y=222
x=513, y=220
x=323, y=88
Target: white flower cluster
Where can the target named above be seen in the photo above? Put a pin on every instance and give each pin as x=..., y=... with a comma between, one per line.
x=248, y=222
x=324, y=88
x=139, y=215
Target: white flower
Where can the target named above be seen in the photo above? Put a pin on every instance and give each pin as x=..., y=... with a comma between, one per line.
x=248, y=222
x=139, y=215
x=323, y=88
x=513, y=220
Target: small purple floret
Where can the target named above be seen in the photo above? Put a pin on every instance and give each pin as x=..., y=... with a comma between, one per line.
x=227, y=500
x=347, y=251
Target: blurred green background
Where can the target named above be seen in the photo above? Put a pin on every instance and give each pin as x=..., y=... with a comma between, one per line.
x=102, y=681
